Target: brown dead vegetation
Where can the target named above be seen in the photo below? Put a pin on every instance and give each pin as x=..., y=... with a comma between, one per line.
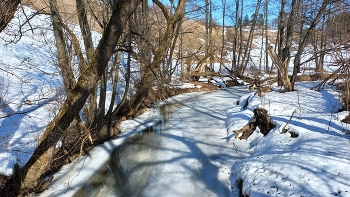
x=68, y=10
x=164, y=93
x=313, y=77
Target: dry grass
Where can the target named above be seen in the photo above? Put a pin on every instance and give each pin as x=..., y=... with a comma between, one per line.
x=313, y=77
x=193, y=30
x=68, y=10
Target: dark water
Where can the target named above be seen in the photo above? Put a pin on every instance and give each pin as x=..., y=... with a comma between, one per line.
x=130, y=166
x=189, y=155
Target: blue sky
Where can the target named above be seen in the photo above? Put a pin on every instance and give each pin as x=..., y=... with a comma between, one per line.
x=249, y=8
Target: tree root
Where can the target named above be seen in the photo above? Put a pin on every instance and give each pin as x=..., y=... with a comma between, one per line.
x=261, y=119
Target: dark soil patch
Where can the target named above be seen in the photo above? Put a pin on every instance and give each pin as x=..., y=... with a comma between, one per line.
x=293, y=134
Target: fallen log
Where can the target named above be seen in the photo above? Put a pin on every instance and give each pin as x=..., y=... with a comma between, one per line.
x=203, y=74
x=261, y=120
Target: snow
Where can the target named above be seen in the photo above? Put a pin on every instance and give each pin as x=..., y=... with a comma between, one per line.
x=181, y=85
x=71, y=177
x=196, y=158
x=316, y=163
x=31, y=89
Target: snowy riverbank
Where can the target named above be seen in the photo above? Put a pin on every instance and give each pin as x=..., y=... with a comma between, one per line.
x=316, y=163
x=197, y=156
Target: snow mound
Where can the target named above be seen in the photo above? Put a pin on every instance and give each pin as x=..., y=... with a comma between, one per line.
x=316, y=163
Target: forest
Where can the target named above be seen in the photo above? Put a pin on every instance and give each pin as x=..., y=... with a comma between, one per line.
x=108, y=61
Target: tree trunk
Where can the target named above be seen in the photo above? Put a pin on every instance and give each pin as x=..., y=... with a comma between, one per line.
x=303, y=43
x=250, y=39
x=150, y=73
x=207, y=21
x=169, y=70
x=261, y=50
x=235, y=41
x=211, y=34
x=281, y=68
x=85, y=28
x=109, y=118
x=183, y=71
x=126, y=91
x=7, y=11
x=286, y=52
x=281, y=35
x=323, y=45
x=42, y=156
x=266, y=37
x=62, y=54
x=223, y=34
x=89, y=48
x=239, y=61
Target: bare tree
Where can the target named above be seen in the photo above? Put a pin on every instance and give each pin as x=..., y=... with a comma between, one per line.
x=29, y=175
x=266, y=36
x=238, y=23
x=246, y=55
x=151, y=69
x=304, y=40
x=223, y=33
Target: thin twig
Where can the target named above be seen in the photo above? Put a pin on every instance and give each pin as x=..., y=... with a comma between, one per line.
x=234, y=145
x=76, y=163
x=284, y=128
x=299, y=102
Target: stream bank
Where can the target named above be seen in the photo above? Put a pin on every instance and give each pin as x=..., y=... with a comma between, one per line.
x=196, y=160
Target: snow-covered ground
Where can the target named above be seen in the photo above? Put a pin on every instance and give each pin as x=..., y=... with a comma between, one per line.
x=30, y=87
x=194, y=159
x=316, y=163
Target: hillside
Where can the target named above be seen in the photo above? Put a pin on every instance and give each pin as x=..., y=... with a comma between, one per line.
x=32, y=92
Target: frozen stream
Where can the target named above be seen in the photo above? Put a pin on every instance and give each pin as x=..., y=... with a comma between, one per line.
x=187, y=155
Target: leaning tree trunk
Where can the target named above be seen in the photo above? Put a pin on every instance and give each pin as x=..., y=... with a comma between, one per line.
x=7, y=11
x=302, y=45
x=247, y=51
x=89, y=48
x=234, y=67
x=42, y=156
x=62, y=55
x=160, y=54
x=281, y=68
